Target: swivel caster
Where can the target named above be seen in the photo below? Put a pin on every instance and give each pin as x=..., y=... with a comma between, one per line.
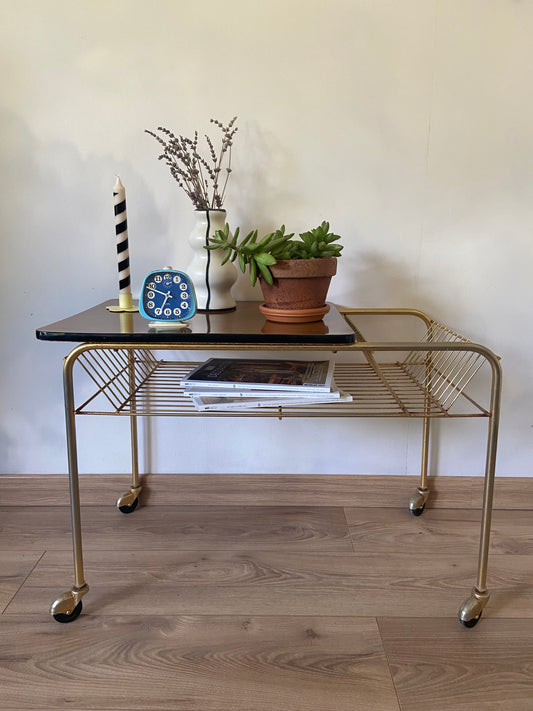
x=128, y=502
x=417, y=503
x=472, y=608
x=68, y=617
x=470, y=623
x=68, y=606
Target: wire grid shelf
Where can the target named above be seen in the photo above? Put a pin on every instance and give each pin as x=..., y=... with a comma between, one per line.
x=427, y=383
x=444, y=374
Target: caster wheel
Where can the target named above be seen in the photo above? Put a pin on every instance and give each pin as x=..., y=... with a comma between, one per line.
x=64, y=617
x=471, y=623
x=417, y=512
x=127, y=509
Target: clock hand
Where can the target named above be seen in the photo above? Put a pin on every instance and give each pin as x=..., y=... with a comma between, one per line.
x=167, y=294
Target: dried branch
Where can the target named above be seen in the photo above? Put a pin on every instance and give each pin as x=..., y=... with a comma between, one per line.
x=196, y=175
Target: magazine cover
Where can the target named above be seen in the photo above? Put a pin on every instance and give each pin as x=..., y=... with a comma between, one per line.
x=264, y=374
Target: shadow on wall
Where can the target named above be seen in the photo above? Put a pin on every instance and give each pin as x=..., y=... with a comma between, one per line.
x=261, y=181
x=379, y=281
x=57, y=217
x=58, y=256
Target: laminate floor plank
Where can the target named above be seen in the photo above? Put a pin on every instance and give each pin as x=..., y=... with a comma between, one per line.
x=438, y=665
x=445, y=531
x=379, y=491
x=211, y=663
x=15, y=566
x=236, y=489
x=275, y=582
x=181, y=527
x=237, y=608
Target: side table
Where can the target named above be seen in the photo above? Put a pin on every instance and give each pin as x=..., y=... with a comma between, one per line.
x=426, y=378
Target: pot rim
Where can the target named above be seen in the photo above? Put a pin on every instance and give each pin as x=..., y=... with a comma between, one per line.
x=304, y=268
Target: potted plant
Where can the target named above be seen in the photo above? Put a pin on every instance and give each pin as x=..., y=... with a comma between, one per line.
x=294, y=272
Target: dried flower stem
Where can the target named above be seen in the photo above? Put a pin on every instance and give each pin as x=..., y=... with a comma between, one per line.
x=196, y=175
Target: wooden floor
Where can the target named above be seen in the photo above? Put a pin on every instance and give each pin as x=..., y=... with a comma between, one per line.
x=263, y=608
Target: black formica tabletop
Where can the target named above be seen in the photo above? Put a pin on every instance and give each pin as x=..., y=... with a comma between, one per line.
x=244, y=325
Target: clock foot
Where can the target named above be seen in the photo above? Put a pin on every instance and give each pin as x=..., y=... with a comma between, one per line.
x=174, y=326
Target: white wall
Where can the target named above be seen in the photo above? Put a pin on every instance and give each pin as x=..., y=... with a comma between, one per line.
x=406, y=123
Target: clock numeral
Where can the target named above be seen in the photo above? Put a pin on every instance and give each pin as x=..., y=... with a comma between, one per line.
x=177, y=312
x=150, y=295
x=151, y=285
x=150, y=305
x=184, y=305
x=168, y=312
x=158, y=278
x=183, y=286
x=177, y=279
x=157, y=311
x=184, y=295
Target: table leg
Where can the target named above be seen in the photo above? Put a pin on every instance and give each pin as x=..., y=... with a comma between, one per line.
x=127, y=503
x=471, y=609
x=68, y=606
x=418, y=500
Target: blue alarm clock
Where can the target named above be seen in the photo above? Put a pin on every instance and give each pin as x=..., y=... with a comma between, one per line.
x=167, y=297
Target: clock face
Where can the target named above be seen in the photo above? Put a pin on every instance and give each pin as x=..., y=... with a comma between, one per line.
x=167, y=295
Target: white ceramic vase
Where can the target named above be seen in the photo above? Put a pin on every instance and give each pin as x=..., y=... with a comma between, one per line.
x=212, y=280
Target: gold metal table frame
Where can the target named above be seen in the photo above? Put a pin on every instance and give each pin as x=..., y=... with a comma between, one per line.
x=429, y=381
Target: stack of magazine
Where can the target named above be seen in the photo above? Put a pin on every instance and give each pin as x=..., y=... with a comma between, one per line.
x=246, y=383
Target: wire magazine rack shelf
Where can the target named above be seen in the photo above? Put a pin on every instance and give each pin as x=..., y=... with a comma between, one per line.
x=426, y=383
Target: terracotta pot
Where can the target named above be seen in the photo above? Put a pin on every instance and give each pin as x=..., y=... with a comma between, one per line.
x=298, y=294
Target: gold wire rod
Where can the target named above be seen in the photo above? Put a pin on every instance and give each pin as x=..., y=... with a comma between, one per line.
x=391, y=391
x=308, y=411
x=483, y=410
x=110, y=370
x=374, y=365
x=102, y=389
x=443, y=381
x=138, y=369
x=101, y=384
x=437, y=333
x=444, y=361
x=461, y=385
x=136, y=390
x=429, y=400
x=121, y=357
x=122, y=382
x=458, y=373
x=104, y=376
x=449, y=369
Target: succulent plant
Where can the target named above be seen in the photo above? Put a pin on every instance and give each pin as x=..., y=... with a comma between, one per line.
x=258, y=255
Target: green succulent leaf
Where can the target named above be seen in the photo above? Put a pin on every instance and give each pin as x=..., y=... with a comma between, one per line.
x=265, y=258
x=247, y=238
x=265, y=273
x=253, y=272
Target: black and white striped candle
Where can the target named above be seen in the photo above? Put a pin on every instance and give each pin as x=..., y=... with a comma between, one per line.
x=123, y=254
